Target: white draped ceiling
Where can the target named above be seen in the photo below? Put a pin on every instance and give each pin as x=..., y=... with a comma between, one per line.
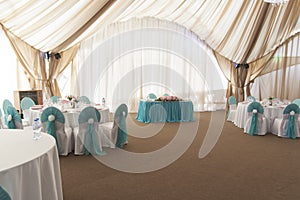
x=234, y=31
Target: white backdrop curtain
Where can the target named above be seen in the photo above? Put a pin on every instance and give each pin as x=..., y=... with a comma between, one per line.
x=280, y=78
x=127, y=60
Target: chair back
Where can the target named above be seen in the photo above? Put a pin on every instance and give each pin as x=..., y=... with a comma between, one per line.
x=54, y=99
x=251, y=98
x=290, y=114
x=232, y=100
x=296, y=101
x=84, y=99
x=120, y=136
x=53, y=121
x=26, y=103
x=88, y=120
x=166, y=95
x=6, y=103
x=4, y=194
x=255, y=110
x=151, y=96
x=14, y=120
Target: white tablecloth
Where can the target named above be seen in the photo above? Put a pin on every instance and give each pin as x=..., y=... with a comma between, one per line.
x=270, y=113
x=29, y=169
x=71, y=116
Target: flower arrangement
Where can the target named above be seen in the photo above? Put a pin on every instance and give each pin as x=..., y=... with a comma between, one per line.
x=271, y=98
x=72, y=98
x=168, y=98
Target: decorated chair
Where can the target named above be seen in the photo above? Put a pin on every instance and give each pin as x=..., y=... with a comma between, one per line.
x=13, y=118
x=26, y=104
x=152, y=96
x=231, y=109
x=2, y=125
x=54, y=99
x=5, y=105
x=116, y=131
x=4, y=194
x=87, y=136
x=251, y=98
x=288, y=125
x=297, y=102
x=256, y=123
x=166, y=94
x=84, y=99
x=53, y=122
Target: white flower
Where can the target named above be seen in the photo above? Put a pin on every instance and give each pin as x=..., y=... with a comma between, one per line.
x=292, y=112
x=51, y=118
x=9, y=118
x=91, y=121
x=254, y=111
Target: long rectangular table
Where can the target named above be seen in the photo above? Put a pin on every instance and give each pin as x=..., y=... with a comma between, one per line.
x=165, y=111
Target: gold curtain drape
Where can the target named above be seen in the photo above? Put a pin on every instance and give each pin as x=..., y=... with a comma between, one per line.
x=30, y=58
x=56, y=67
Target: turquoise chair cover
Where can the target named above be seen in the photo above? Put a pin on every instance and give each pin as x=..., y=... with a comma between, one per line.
x=297, y=101
x=16, y=121
x=231, y=101
x=120, y=120
x=152, y=96
x=26, y=103
x=91, y=116
x=50, y=126
x=292, y=120
x=166, y=94
x=54, y=99
x=4, y=194
x=254, y=119
x=84, y=99
x=6, y=103
x=251, y=98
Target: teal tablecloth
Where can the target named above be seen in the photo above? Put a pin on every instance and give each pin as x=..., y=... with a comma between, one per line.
x=165, y=111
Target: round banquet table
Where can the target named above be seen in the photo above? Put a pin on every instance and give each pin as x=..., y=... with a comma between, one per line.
x=29, y=169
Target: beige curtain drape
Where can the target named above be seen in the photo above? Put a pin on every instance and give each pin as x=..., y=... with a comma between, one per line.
x=30, y=58
x=56, y=67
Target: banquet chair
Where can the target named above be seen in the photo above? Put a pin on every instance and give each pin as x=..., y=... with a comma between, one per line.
x=84, y=99
x=13, y=118
x=26, y=104
x=296, y=101
x=152, y=96
x=256, y=123
x=288, y=125
x=87, y=136
x=231, y=109
x=5, y=105
x=54, y=99
x=53, y=123
x=116, y=131
x=166, y=94
x=2, y=125
x=4, y=194
x=251, y=98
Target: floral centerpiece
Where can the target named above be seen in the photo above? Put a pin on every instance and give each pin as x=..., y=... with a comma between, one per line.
x=271, y=100
x=168, y=98
x=72, y=98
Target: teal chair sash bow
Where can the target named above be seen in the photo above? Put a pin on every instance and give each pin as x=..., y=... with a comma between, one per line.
x=4, y=194
x=120, y=121
x=14, y=120
x=51, y=115
x=91, y=117
x=291, y=113
x=255, y=109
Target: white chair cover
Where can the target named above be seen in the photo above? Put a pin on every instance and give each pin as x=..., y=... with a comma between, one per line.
x=262, y=125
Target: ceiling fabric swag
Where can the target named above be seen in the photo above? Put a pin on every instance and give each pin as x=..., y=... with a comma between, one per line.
x=30, y=58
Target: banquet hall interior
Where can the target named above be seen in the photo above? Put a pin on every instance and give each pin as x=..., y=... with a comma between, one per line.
x=149, y=99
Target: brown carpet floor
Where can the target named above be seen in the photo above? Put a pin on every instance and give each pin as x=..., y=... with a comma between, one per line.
x=239, y=167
